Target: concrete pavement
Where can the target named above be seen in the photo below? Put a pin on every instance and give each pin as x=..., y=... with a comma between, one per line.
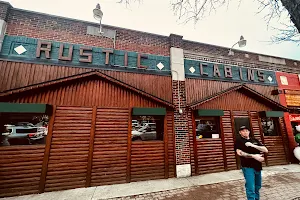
x=182, y=186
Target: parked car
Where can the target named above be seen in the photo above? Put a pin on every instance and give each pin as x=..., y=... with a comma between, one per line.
x=146, y=132
x=23, y=133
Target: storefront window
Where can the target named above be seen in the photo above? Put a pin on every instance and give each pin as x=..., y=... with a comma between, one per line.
x=145, y=128
x=269, y=126
x=207, y=127
x=23, y=129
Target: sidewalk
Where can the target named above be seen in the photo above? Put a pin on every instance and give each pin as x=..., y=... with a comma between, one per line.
x=174, y=188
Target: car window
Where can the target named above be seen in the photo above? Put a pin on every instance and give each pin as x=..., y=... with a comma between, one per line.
x=30, y=130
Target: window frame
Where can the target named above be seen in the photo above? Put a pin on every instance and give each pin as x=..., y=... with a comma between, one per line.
x=276, y=123
x=160, y=118
x=217, y=120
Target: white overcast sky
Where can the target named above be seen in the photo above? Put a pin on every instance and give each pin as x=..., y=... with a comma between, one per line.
x=155, y=16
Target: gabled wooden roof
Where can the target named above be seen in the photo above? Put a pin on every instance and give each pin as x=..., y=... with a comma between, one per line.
x=267, y=101
x=84, y=75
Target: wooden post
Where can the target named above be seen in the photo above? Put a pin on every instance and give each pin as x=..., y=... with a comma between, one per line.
x=166, y=147
x=91, y=148
x=223, y=144
x=250, y=122
x=47, y=151
x=174, y=145
x=195, y=143
x=262, y=139
x=234, y=138
x=129, y=140
x=287, y=156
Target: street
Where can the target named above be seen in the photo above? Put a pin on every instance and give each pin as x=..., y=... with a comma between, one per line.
x=276, y=187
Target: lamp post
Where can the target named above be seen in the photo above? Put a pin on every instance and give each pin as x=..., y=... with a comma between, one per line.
x=98, y=15
x=242, y=42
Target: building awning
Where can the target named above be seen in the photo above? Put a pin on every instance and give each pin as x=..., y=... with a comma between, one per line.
x=149, y=111
x=210, y=113
x=271, y=114
x=24, y=108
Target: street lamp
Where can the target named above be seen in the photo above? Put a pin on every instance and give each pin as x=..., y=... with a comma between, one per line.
x=242, y=42
x=98, y=15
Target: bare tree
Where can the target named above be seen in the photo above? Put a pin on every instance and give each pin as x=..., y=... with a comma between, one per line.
x=195, y=10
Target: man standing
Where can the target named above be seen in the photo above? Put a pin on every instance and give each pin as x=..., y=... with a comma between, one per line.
x=249, y=151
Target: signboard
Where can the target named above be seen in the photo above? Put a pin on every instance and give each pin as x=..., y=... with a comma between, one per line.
x=294, y=118
x=292, y=100
x=41, y=51
x=284, y=80
x=224, y=72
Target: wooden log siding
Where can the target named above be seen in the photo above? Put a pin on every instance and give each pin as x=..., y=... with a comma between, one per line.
x=257, y=131
x=171, y=144
x=276, y=145
x=95, y=92
x=67, y=167
x=192, y=140
x=16, y=74
x=199, y=89
x=210, y=155
x=202, y=160
x=285, y=139
x=147, y=160
x=229, y=140
x=109, y=164
x=276, y=155
x=20, y=169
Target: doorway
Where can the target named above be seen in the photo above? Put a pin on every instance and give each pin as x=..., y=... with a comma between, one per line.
x=238, y=122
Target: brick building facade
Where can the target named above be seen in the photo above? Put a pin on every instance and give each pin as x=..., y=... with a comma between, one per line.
x=180, y=84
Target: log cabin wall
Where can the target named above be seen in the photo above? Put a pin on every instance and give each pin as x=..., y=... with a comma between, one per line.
x=20, y=169
x=18, y=74
x=197, y=89
x=92, y=114
x=236, y=104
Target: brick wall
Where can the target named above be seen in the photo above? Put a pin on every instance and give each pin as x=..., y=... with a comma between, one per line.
x=247, y=59
x=181, y=125
x=4, y=10
x=37, y=25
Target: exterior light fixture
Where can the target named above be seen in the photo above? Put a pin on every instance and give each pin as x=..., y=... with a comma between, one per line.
x=98, y=15
x=242, y=42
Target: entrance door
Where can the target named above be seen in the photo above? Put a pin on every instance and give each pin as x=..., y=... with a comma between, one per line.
x=238, y=122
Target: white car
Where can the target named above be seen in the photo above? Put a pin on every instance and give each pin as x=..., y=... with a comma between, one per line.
x=146, y=132
x=23, y=133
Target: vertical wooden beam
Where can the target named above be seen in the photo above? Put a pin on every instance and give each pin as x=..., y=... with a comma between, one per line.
x=262, y=138
x=195, y=143
x=234, y=138
x=223, y=143
x=250, y=122
x=283, y=142
x=47, y=151
x=174, y=144
x=91, y=148
x=129, y=140
x=166, y=147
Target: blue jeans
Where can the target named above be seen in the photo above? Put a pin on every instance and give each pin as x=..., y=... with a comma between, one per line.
x=253, y=183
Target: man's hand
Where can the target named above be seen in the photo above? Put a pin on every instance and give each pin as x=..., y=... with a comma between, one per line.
x=259, y=148
x=258, y=157
x=249, y=144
